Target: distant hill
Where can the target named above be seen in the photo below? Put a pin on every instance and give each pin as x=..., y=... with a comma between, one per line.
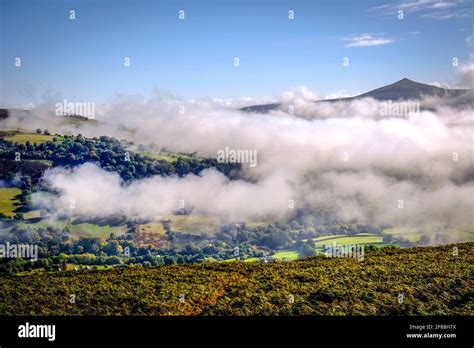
x=69, y=119
x=401, y=90
x=408, y=89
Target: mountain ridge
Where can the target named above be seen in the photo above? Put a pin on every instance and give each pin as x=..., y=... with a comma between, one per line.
x=404, y=89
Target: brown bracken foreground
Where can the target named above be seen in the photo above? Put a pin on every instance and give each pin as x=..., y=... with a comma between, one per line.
x=417, y=281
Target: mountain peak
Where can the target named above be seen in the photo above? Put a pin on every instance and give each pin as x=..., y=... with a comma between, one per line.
x=405, y=89
x=405, y=81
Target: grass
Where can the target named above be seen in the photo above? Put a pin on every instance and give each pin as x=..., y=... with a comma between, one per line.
x=154, y=227
x=464, y=233
x=357, y=239
x=253, y=225
x=332, y=236
x=251, y=259
x=340, y=239
x=59, y=224
x=281, y=255
x=165, y=156
x=286, y=255
x=102, y=267
x=47, y=162
x=231, y=260
x=8, y=203
x=193, y=224
x=79, y=120
x=22, y=138
x=82, y=229
x=96, y=231
x=151, y=234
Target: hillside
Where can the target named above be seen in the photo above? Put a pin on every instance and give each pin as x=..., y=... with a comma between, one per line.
x=417, y=281
x=408, y=89
x=22, y=115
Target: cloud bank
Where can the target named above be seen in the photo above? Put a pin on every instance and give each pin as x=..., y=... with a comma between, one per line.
x=346, y=157
x=342, y=157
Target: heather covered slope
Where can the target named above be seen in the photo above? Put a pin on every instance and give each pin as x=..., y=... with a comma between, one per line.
x=417, y=281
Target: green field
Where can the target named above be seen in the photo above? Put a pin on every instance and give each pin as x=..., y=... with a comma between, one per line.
x=321, y=238
x=364, y=238
x=96, y=231
x=22, y=138
x=463, y=233
x=153, y=227
x=60, y=224
x=286, y=255
x=280, y=256
x=409, y=234
x=8, y=203
x=47, y=162
x=250, y=259
x=81, y=229
x=340, y=239
x=165, y=156
x=193, y=224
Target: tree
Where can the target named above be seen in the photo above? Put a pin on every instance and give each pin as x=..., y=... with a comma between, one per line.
x=71, y=157
x=62, y=258
x=38, y=130
x=26, y=181
x=113, y=248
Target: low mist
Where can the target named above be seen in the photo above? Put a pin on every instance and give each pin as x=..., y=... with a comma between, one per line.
x=413, y=169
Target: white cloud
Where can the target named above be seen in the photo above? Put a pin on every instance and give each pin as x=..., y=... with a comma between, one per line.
x=303, y=93
x=341, y=94
x=433, y=9
x=470, y=40
x=441, y=84
x=468, y=12
x=366, y=40
x=300, y=159
x=466, y=74
x=442, y=5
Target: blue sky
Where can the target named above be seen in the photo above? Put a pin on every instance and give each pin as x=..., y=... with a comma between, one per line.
x=83, y=59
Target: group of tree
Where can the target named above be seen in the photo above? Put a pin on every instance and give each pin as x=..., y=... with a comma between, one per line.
x=111, y=155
